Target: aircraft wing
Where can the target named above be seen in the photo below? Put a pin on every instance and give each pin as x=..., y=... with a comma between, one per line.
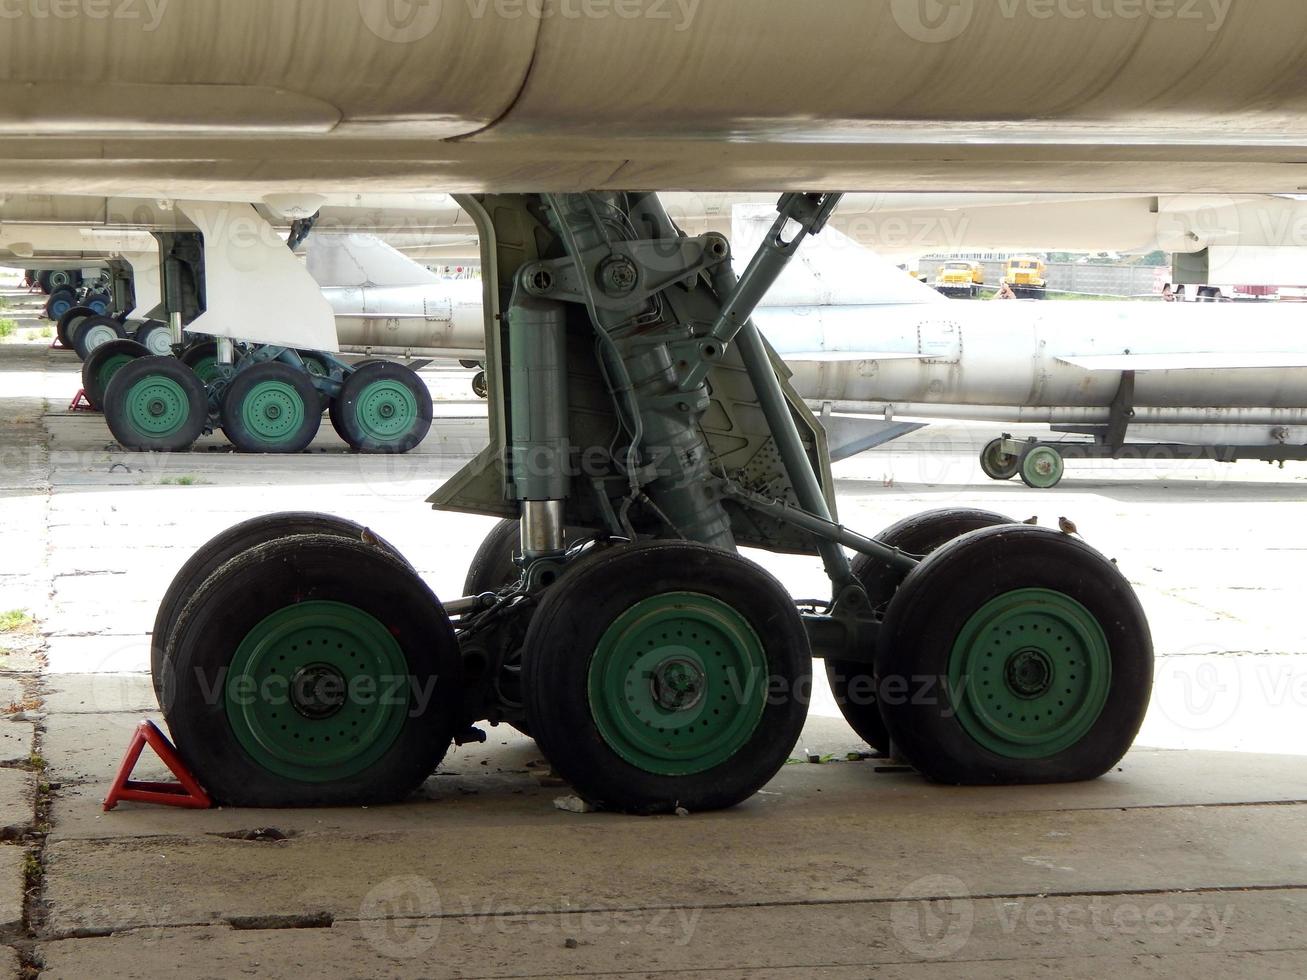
x=1187, y=361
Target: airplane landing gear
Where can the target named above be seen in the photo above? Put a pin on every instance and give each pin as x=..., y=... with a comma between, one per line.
x=665, y=675
x=1040, y=670
x=854, y=684
x=383, y=408
x=106, y=361
x=156, y=404
x=648, y=437
x=332, y=676
x=271, y=408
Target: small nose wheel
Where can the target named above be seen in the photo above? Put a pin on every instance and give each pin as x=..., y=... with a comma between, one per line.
x=1042, y=467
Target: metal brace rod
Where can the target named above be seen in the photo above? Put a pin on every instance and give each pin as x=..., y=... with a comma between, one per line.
x=820, y=527
x=809, y=212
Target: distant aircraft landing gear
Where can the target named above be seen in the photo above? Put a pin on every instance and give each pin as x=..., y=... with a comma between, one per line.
x=103, y=363
x=647, y=437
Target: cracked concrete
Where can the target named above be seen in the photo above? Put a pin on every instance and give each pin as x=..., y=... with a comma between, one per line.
x=1179, y=863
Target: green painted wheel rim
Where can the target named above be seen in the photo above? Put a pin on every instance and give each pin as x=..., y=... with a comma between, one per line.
x=273, y=412
x=1030, y=673
x=207, y=369
x=678, y=684
x=157, y=406
x=1043, y=468
x=110, y=367
x=386, y=411
x=318, y=692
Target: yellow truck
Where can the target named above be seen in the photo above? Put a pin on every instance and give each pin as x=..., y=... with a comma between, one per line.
x=960, y=280
x=1028, y=277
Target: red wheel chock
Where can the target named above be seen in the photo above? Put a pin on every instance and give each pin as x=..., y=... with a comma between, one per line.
x=81, y=403
x=186, y=792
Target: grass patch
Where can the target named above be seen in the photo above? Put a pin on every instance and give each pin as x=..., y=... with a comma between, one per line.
x=15, y=621
x=180, y=481
x=7, y=328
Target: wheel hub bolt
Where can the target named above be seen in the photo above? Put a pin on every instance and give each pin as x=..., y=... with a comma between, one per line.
x=678, y=685
x=1029, y=674
x=318, y=692
x=386, y=411
x=157, y=408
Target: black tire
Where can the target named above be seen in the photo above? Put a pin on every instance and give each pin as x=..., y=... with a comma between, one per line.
x=481, y=386
x=563, y=641
x=94, y=331
x=943, y=596
x=63, y=279
x=156, y=337
x=59, y=303
x=67, y=322
x=290, y=416
x=998, y=465
x=43, y=281
x=222, y=549
x=854, y=684
x=102, y=304
x=492, y=566
x=103, y=363
x=470, y=365
x=350, y=413
x=289, y=573
x=182, y=419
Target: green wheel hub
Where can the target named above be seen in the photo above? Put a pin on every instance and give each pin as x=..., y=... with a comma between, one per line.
x=273, y=412
x=208, y=370
x=678, y=684
x=111, y=367
x=318, y=692
x=386, y=411
x=1030, y=674
x=1043, y=468
x=157, y=406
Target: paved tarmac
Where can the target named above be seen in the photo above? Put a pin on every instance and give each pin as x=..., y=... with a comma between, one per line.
x=1191, y=859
